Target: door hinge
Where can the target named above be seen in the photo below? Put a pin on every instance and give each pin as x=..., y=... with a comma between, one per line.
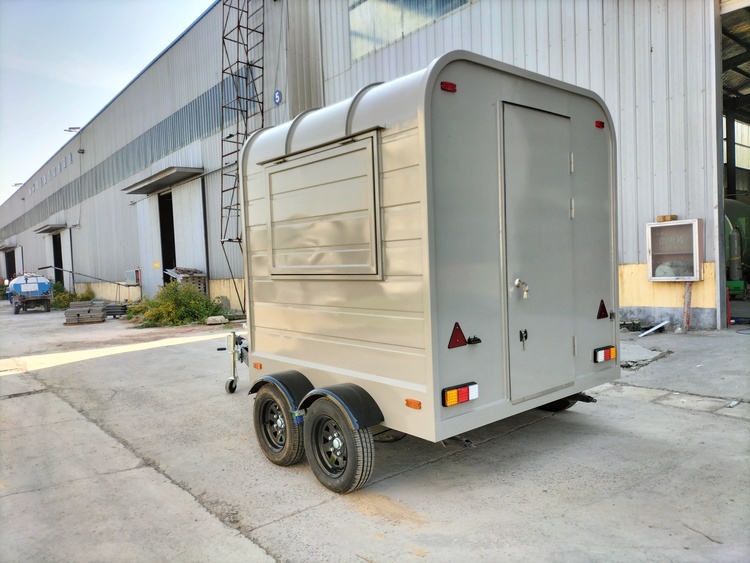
x=572, y=208
x=572, y=163
x=575, y=346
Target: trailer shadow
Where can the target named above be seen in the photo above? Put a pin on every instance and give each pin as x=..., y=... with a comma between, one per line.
x=403, y=453
x=509, y=447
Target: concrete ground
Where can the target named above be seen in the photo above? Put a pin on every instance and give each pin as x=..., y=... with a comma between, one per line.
x=120, y=444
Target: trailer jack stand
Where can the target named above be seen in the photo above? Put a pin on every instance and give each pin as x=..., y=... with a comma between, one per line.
x=237, y=346
x=583, y=398
x=465, y=442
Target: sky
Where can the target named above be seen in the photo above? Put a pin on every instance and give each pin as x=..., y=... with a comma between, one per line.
x=62, y=61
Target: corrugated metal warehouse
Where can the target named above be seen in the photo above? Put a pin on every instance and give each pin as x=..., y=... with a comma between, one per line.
x=146, y=184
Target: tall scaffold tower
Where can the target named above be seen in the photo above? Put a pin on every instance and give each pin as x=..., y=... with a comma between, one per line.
x=241, y=112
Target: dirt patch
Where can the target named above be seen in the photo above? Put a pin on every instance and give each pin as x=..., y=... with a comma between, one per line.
x=379, y=506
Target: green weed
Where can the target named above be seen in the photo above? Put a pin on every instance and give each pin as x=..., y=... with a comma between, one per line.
x=173, y=305
x=62, y=298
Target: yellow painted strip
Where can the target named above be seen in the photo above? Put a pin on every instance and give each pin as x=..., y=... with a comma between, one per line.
x=637, y=291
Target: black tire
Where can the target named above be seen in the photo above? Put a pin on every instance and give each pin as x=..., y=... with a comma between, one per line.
x=340, y=456
x=230, y=386
x=559, y=405
x=47, y=306
x=16, y=308
x=279, y=437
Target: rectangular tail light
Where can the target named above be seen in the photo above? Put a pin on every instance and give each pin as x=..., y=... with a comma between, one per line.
x=605, y=354
x=460, y=394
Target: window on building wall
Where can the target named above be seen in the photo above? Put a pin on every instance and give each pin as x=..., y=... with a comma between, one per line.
x=374, y=24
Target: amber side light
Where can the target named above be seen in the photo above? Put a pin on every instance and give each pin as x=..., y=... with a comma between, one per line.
x=413, y=404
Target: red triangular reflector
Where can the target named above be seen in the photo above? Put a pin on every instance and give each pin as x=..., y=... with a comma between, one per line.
x=457, y=338
x=603, y=313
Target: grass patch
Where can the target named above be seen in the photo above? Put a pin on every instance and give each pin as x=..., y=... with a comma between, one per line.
x=174, y=304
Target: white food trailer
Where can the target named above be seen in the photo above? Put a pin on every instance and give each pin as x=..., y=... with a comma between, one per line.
x=435, y=254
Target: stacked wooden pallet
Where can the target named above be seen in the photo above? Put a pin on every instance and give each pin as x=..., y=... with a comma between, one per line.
x=85, y=312
x=190, y=276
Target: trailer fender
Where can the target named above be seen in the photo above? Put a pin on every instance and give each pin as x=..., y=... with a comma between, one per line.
x=357, y=404
x=293, y=384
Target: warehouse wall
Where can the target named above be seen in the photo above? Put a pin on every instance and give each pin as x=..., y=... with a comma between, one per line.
x=102, y=226
x=292, y=61
x=649, y=59
x=653, y=62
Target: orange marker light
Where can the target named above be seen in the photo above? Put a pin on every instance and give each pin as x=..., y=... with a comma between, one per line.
x=413, y=404
x=258, y=365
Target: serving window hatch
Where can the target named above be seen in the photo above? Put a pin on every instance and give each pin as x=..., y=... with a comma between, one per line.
x=323, y=218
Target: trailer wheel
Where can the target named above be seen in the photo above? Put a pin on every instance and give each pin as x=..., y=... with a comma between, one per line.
x=340, y=456
x=559, y=405
x=230, y=386
x=16, y=308
x=279, y=437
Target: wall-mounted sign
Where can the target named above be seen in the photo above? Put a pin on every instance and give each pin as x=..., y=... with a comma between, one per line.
x=50, y=173
x=277, y=97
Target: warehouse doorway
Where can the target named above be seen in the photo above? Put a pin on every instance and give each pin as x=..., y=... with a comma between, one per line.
x=10, y=263
x=57, y=258
x=166, y=230
x=733, y=275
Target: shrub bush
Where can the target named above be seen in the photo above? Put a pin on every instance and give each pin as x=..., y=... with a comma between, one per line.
x=62, y=298
x=58, y=288
x=174, y=304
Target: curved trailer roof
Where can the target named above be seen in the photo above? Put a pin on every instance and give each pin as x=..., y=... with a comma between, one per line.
x=374, y=106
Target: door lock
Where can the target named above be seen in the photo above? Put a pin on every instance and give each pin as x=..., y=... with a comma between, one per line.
x=525, y=286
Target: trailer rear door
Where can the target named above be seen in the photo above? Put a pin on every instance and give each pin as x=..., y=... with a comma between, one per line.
x=539, y=250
